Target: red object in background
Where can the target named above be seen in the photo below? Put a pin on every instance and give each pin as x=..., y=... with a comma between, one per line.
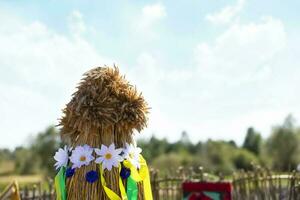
x=199, y=196
x=197, y=190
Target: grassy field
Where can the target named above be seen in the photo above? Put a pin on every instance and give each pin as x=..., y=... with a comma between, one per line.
x=7, y=167
x=22, y=180
x=7, y=176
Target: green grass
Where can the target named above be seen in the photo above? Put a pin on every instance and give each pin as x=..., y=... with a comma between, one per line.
x=7, y=167
x=22, y=180
x=7, y=176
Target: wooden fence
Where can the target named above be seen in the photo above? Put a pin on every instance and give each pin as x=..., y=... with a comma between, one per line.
x=264, y=184
x=260, y=184
x=168, y=186
x=38, y=191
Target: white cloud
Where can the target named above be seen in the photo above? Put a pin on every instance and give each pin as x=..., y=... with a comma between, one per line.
x=46, y=66
x=229, y=90
x=147, y=21
x=76, y=23
x=159, y=85
x=39, y=69
x=233, y=84
x=226, y=14
x=243, y=52
x=154, y=12
x=248, y=72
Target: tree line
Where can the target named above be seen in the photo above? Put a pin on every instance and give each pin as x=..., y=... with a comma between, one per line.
x=279, y=152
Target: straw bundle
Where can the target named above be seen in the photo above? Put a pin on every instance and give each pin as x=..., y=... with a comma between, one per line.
x=105, y=109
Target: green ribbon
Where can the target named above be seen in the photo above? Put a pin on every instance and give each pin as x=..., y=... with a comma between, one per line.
x=60, y=184
x=132, y=189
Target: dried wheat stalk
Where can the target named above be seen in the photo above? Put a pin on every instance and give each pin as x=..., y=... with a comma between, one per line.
x=104, y=109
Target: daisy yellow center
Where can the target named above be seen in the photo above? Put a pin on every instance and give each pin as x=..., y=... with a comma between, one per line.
x=82, y=158
x=108, y=156
x=131, y=155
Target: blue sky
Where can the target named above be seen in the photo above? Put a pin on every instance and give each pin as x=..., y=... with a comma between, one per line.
x=212, y=68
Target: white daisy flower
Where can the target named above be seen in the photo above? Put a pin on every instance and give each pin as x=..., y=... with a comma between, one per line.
x=81, y=155
x=61, y=157
x=132, y=154
x=109, y=156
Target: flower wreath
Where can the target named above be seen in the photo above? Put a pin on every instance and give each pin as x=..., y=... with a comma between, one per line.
x=131, y=164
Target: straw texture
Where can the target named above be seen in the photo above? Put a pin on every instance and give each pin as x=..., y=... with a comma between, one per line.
x=105, y=109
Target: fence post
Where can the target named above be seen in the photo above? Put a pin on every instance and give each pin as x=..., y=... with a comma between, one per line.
x=40, y=190
x=44, y=197
x=51, y=190
x=201, y=173
x=26, y=192
x=34, y=191
x=155, y=184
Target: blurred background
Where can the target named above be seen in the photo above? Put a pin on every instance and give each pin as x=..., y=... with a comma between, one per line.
x=221, y=77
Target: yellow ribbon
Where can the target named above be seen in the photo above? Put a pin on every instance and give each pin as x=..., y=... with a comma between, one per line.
x=60, y=185
x=111, y=194
x=57, y=190
x=141, y=175
x=144, y=173
x=146, y=182
x=122, y=188
x=138, y=176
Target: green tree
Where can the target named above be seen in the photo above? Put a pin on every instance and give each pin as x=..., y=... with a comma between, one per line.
x=44, y=147
x=26, y=162
x=5, y=154
x=244, y=159
x=153, y=148
x=172, y=161
x=283, y=146
x=253, y=141
x=218, y=156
